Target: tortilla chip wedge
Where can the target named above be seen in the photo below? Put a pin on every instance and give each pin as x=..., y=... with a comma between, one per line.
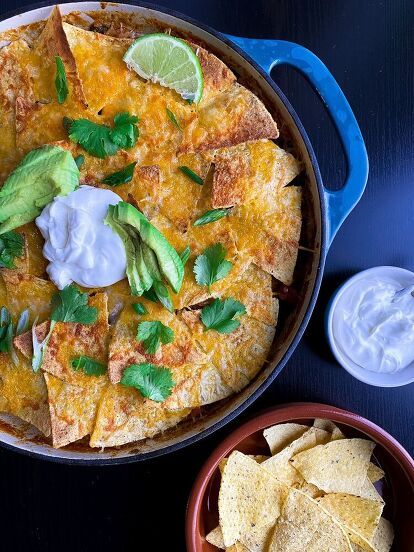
x=281, y=435
x=339, y=466
x=249, y=498
x=23, y=393
x=356, y=515
x=304, y=525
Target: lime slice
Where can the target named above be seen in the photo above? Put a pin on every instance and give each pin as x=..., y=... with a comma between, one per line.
x=168, y=61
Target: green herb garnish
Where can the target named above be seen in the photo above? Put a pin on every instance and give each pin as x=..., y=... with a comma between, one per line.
x=88, y=365
x=79, y=160
x=173, y=119
x=102, y=140
x=6, y=331
x=153, y=382
x=139, y=308
x=152, y=334
x=211, y=266
x=61, y=82
x=71, y=305
x=120, y=177
x=211, y=216
x=220, y=315
x=191, y=174
x=11, y=246
x=185, y=255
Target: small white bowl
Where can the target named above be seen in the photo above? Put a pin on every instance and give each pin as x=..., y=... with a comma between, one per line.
x=405, y=376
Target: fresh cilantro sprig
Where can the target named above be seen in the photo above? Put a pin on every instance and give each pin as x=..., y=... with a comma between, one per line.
x=221, y=315
x=88, y=366
x=211, y=216
x=11, y=246
x=61, y=83
x=191, y=175
x=120, y=177
x=153, y=382
x=152, y=334
x=71, y=305
x=139, y=308
x=102, y=140
x=173, y=119
x=211, y=265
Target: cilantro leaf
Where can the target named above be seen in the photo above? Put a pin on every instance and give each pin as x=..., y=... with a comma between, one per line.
x=71, y=305
x=211, y=216
x=61, y=83
x=211, y=266
x=139, y=308
x=173, y=119
x=120, y=177
x=192, y=175
x=152, y=334
x=185, y=255
x=125, y=132
x=102, y=140
x=88, y=365
x=94, y=138
x=11, y=246
x=220, y=315
x=153, y=382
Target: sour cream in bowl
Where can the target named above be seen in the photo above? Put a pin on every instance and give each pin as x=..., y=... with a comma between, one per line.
x=370, y=330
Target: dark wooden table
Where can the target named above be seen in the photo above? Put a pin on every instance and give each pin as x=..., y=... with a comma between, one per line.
x=368, y=46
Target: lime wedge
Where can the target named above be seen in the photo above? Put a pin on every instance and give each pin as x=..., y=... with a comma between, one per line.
x=168, y=61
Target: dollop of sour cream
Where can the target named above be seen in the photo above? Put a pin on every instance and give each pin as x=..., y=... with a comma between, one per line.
x=79, y=246
x=374, y=331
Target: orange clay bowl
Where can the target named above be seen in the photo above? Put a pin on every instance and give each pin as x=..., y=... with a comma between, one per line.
x=397, y=487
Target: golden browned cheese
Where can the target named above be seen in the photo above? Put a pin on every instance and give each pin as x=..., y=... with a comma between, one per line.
x=227, y=140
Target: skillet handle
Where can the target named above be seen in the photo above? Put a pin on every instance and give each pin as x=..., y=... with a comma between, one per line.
x=267, y=54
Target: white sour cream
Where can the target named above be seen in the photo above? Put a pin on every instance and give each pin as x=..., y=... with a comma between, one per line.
x=374, y=332
x=79, y=246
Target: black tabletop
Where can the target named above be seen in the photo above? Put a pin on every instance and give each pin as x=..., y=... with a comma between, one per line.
x=368, y=46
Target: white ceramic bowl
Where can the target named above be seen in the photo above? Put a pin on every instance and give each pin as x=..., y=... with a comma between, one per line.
x=405, y=376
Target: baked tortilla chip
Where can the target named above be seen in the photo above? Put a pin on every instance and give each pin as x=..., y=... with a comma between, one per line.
x=327, y=425
x=375, y=473
x=250, y=498
x=304, y=525
x=215, y=537
x=359, y=517
x=281, y=435
x=69, y=340
x=384, y=536
x=237, y=356
x=338, y=467
x=72, y=408
x=23, y=393
x=125, y=349
x=233, y=117
x=125, y=416
x=53, y=42
x=253, y=171
x=27, y=291
x=14, y=84
x=280, y=465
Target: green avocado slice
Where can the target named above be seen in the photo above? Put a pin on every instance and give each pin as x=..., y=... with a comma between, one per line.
x=169, y=262
x=42, y=174
x=133, y=276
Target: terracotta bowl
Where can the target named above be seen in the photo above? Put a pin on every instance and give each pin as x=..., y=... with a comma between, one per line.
x=397, y=488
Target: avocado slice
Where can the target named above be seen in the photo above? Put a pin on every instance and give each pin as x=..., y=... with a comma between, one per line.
x=169, y=262
x=151, y=261
x=134, y=279
x=42, y=174
x=143, y=271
